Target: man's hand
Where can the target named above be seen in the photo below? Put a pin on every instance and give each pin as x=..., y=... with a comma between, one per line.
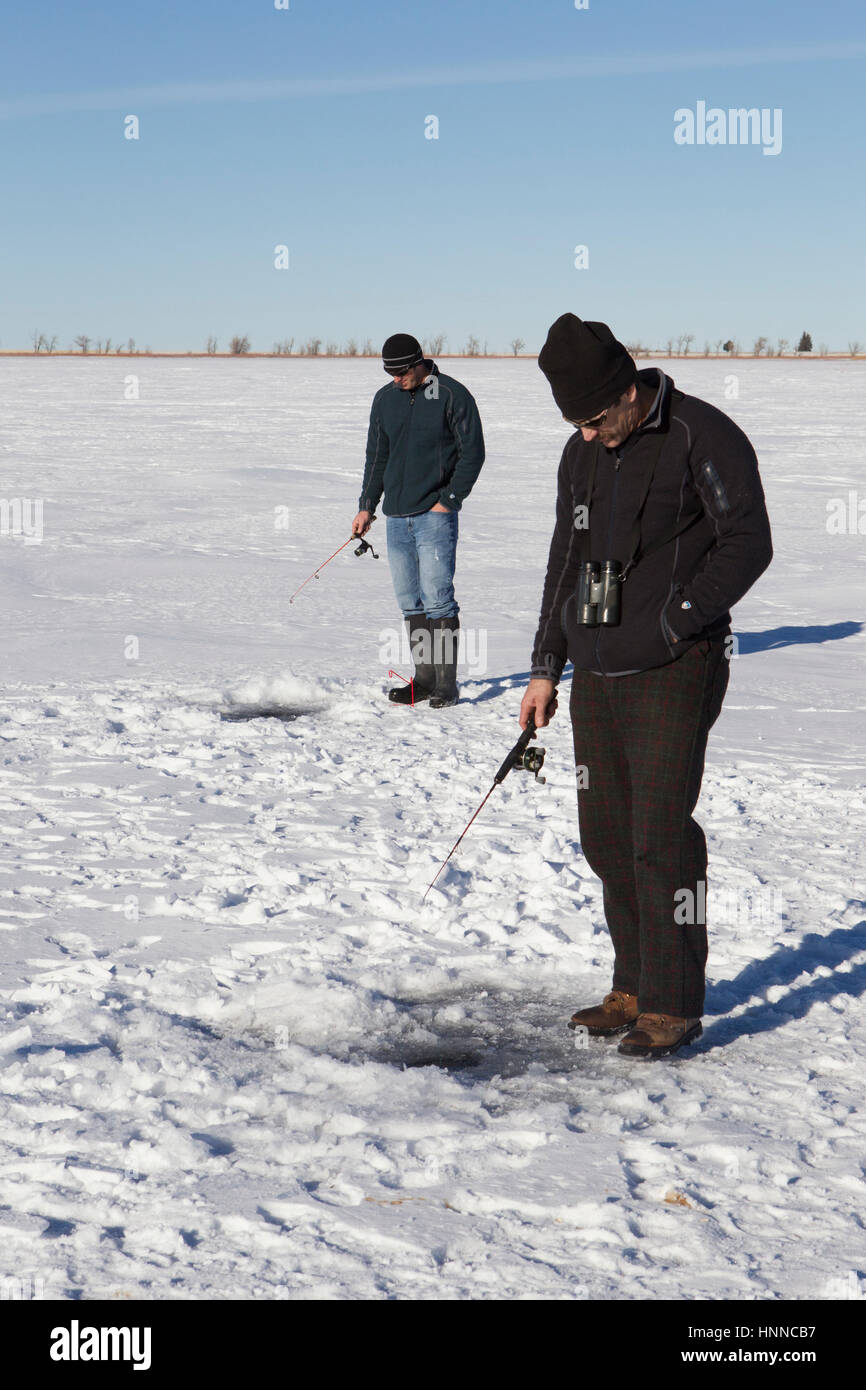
x=539, y=701
x=362, y=523
x=437, y=507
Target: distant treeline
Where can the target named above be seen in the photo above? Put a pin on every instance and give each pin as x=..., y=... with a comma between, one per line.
x=436, y=346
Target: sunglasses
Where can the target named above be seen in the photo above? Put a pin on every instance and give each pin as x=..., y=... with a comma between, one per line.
x=404, y=371
x=595, y=423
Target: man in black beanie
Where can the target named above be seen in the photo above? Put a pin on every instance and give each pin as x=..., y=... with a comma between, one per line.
x=425, y=449
x=660, y=528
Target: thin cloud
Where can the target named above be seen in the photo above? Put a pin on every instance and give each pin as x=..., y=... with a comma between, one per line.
x=487, y=74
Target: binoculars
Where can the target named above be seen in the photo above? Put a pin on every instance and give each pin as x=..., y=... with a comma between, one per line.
x=599, y=593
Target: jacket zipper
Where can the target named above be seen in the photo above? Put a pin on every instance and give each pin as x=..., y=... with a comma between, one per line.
x=408, y=432
x=609, y=544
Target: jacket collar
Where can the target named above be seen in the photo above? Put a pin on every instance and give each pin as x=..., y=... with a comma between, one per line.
x=659, y=415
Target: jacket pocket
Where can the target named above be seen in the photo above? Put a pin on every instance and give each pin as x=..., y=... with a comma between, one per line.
x=668, y=633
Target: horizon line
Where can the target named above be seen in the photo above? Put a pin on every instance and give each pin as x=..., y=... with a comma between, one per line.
x=639, y=355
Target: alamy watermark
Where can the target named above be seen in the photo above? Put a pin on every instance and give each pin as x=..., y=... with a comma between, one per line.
x=18, y=1290
x=435, y=647
x=77, y=1343
x=737, y=126
x=729, y=906
x=22, y=516
x=851, y=1286
x=846, y=517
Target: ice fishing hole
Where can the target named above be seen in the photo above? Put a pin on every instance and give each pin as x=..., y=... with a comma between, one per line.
x=241, y=714
x=445, y=1061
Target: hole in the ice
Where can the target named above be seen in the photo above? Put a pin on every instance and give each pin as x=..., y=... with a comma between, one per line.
x=446, y=1061
x=455, y=1055
x=242, y=713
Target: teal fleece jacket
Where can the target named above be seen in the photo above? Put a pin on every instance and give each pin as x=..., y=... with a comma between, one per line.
x=423, y=446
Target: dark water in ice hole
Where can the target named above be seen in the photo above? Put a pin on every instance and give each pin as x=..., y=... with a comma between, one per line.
x=242, y=714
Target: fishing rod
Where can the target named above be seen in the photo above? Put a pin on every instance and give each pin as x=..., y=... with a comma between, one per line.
x=521, y=755
x=363, y=547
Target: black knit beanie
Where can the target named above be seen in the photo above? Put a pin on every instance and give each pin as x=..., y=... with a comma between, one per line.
x=401, y=352
x=587, y=368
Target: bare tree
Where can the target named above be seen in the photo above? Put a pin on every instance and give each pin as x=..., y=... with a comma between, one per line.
x=368, y=350
x=670, y=347
x=684, y=341
x=472, y=346
x=719, y=346
x=82, y=341
x=311, y=347
x=822, y=349
x=517, y=346
x=238, y=346
x=855, y=348
x=706, y=348
x=38, y=340
x=284, y=347
x=332, y=349
x=781, y=346
x=107, y=345
x=211, y=344
x=436, y=345
x=758, y=346
x=51, y=343
x=130, y=346
x=351, y=348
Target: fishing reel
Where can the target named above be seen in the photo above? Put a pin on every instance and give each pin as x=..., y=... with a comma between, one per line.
x=532, y=760
x=522, y=756
x=362, y=547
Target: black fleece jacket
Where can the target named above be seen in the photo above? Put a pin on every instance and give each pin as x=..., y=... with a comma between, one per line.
x=706, y=473
x=423, y=446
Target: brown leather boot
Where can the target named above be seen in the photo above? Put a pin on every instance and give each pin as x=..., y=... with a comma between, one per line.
x=617, y=1012
x=658, y=1035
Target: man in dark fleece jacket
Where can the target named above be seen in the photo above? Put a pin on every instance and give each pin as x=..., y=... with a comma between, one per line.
x=425, y=449
x=665, y=487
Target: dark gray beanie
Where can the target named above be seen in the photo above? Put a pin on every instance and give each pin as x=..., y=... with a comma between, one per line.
x=587, y=368
x=400, y=352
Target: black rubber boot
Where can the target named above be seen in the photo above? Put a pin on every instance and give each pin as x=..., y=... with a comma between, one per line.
x=446, y=639
x=421, y=647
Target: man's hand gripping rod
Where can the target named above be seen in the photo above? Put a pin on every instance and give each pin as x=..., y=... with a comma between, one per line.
x=521, y=755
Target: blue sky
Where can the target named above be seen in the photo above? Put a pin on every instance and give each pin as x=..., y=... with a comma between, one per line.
x=306, y=127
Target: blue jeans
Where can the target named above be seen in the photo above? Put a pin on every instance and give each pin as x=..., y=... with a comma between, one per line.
x=422, y=553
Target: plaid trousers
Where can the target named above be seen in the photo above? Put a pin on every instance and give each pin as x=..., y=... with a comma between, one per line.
x=642, y=740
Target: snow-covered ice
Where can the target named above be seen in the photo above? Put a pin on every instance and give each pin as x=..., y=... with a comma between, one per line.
x=240, y=1057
